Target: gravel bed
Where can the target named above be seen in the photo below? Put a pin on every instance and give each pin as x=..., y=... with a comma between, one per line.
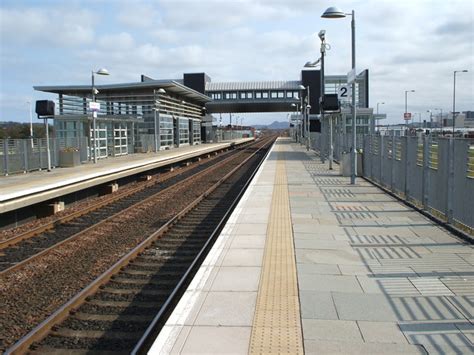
x=32, y=293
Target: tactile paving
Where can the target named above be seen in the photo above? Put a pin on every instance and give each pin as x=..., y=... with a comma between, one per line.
x=277, y=324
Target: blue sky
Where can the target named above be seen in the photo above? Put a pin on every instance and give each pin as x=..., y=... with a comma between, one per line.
x=405, y=45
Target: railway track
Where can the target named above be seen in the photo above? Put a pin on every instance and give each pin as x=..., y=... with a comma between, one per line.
x=114, y=312
x=23, y=247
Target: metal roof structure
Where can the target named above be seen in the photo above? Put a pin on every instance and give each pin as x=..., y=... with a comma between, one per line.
x=170, y=86
x=253, y=85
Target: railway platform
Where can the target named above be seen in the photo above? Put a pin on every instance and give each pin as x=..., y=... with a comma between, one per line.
x=308, y=263
x=22, y=190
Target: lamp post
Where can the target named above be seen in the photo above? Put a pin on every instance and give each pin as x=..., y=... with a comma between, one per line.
x=379, y=103
x=440, y=116
x=101, y=71
x=302, y=111
x=308, y=109
x=296, y=114
x=334, y=12
x=431, y=118
x=454, y=96
x=406, y=104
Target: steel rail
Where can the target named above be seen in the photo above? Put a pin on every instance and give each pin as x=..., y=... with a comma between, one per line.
x=64, y=219
x=144, y=344
x=77, y=235
x=42, y=330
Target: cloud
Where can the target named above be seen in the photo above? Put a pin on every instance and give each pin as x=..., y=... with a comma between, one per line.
x=138, y=14
x=38, y=27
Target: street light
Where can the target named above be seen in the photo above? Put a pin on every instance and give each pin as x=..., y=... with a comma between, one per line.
x=101, y=71
x=334, y=12
x=296, y=117
x=301, y=88
x=405, y=116
x=454, y=95
x=379, y=103
x=431, y=118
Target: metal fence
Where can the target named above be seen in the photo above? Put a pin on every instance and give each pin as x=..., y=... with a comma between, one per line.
x=434, y=173
x=23, y=155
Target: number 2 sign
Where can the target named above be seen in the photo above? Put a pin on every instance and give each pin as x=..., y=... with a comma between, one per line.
x=343, y=93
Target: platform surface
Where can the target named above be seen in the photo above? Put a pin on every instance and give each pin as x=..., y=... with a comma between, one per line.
x=16, y=187
x=372, y=275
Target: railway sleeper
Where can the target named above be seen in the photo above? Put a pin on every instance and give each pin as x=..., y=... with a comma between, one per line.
x=162, y=291
x=81, y=346
x=138, y=287
x=165, y=267
x=109, y=318
x=159, y=295
x=118, y=304
x=125, y=308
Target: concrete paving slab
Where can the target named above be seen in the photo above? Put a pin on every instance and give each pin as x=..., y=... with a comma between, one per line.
x=227, y=309
x=368, y=307
x=435, y=333
x=333, y=330
x=236, y=278
x=317, y=305
x=243, y=257
x=249, y=242
x=217, y=340
x=318, y=269
x=389, y=286
x=338, y=283
x=381, y=332
x=433, y=308
x=344, y=348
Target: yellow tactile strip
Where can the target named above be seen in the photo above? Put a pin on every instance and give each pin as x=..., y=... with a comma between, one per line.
x=276, y=326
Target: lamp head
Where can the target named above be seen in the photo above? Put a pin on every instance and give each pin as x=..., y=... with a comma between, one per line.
x=102, y=71
x=312, y=64
x=161, y=91
x=308, y=107
x=333, y=12
x=95, y=91
x=301, y=87
x=293, y=105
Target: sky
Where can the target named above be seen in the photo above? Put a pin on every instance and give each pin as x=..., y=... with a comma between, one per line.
x=406, y=45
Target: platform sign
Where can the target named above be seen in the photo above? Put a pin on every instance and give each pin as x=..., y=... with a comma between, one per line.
x=351, y=76
x=407, y=116
x=94, y=106
x=344, y=92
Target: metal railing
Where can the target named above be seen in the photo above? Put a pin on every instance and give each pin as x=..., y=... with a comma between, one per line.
x=436, y=174
x=25, y=155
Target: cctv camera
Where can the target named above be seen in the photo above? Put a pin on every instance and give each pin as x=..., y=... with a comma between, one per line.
x=96, y=91
x=322, y=34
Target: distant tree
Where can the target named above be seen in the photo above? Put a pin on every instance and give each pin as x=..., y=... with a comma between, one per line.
x=15, y=130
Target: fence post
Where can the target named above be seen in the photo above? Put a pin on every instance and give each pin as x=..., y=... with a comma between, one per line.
x=5, y=157
x=425, y=185
x=392, y=167
x=381, y=149
x=450, y=192
x=25, y=156
x=40, y=154
x=407, y=166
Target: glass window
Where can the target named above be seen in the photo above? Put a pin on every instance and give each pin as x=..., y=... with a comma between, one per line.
x=258, y=95
x=265, y=94
x=281, y=94
x=243, y=95
x=289, y=94
x=273, y=94
x=249, y=95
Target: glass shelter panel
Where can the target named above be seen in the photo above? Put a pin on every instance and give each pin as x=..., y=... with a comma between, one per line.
x=166, y=131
